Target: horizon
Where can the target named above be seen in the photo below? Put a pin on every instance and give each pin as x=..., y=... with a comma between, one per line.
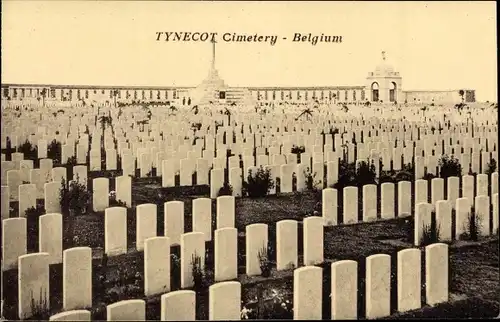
x=422, y=42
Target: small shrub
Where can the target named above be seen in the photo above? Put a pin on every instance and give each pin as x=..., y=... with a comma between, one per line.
x=199, y=278
x=40, y=310
x=264, y=263
x=386, y=176
x=472, y=227
x=430, y=235
x=226, y=190
x=428, y=176
x=54, y=151
x=491, y=167
x=366, y=173
x=27, y=149
x=258, y=185
x=72, y=161
x=334, y=130
x=196, y=126
x=117, y=203
x=35, y=212
x=449, y=166
x=407, y=173
x=298, y=149
x=310, y=183
x=74, y=197
x=347, y=174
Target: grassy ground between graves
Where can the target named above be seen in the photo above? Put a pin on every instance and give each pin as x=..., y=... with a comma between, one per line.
x=474, y=266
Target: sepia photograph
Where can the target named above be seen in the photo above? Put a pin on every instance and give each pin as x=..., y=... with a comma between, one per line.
x=249, y=160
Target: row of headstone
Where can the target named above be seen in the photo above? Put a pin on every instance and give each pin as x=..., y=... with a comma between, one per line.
x=359, y=127
x=225, y=297
x=344, y=285
x=454, y=191
x=115, y=218
x=477, y=160
x=481, y=216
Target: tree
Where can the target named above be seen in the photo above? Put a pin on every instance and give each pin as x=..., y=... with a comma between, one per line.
x=228, y=113
x=306, y=112
x=43, y=93
x=461, y=93
x=195, y=109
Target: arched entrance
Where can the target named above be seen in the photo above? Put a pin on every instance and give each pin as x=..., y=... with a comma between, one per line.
x=374, y=90
x=392, y=92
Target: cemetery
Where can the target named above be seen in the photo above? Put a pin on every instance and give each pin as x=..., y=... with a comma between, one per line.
x=150, y=211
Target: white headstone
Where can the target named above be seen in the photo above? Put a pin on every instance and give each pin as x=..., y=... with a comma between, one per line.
x=100, y=194
x=350, y=205
x=307, y=293
x=50, y=236
x=409, y=279
x=225, y=211
x=329, y=206
x=344, y=288
x=378, y=281
x=224, y=301
x=178, y=306
x=115, y=231
x=387, y=200
x=156, y=265
x=33, y=283
x=202, y=217
x=174, y=221
x=256, y=247
x=436, y=273
x=127, y=310
x=14, y=241
x=313, y=240
x=77, y=278
x=123, y=187
x=226, y=254
x=145, y=224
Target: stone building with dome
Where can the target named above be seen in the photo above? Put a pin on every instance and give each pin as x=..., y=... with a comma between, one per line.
x=384, y=84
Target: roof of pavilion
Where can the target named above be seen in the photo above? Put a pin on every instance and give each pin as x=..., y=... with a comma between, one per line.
x=335, y=87
x=96, y=86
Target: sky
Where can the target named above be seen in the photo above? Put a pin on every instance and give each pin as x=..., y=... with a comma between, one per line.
x=434, y=45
